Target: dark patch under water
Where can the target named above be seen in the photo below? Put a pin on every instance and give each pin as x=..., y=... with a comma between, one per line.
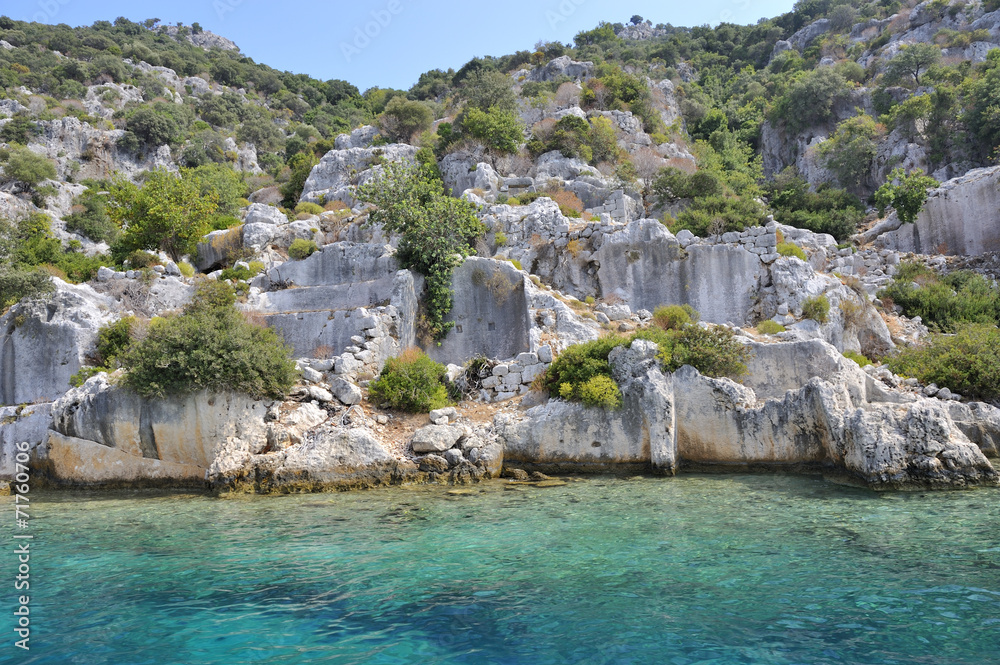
x=689, y=570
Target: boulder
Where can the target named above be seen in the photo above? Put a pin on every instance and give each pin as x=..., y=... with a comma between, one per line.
x=339, y=170
x=845, y=423
x=436, y=438
x=345, y=391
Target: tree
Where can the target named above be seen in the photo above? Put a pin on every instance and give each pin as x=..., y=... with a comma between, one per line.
x=982, y=115
x=911, y=61
x=500, y=131
x=851, y=149
x=259, y=129
x=436, y=231
x=809, y=100
x=28, y=168
x=906, y=192
x=151, y=127
x=19, y=129
x=403, y=118
x=169, y=212
x=636, y=19
x=487, y=89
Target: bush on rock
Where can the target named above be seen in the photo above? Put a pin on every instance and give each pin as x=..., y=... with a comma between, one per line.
x=411, y=382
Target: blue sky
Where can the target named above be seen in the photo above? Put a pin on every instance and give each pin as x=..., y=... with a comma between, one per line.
x=405, y=37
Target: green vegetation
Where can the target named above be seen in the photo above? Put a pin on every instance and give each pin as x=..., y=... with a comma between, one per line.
x=29, y=255
x=500, y=131
x=302, y=249
x=582, y=372
x=436, y=231
x=849, y=153
x=861, y=360
x=825, y=210
x=171, y=212
x=769, y=327
x=673, y=317
x=967, y=362
x=25, y=167
x=211, y=345
x=791, y=249
x=411, y=382
x=89, y=215
x=816, y=308
x=943, y=302
x=905, y=192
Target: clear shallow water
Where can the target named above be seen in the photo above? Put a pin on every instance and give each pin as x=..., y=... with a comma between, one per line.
x=695, y=569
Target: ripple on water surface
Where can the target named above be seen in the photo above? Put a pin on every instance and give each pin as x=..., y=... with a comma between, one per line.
x=691, y=570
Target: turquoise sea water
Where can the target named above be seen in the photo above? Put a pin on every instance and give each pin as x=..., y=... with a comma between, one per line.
x=694, y=569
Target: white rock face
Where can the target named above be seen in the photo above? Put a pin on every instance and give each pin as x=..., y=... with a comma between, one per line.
x=961, y=217
x=842, y=422
x=560, y=67
x=338, y=170
x=44, y=342
x=573, y=437
x=102, y=433
x=21, y=425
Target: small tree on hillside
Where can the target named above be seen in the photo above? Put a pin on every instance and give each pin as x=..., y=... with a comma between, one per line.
x=912, y=61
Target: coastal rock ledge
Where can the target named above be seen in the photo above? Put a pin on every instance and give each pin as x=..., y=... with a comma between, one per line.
x=802, y=405
x=846, y=424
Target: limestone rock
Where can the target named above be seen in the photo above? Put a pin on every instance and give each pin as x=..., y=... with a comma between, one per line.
x=44, y=342
x=21, y=425
x=345, y=391
x=338, y=170
x=187, y=431
x=436, y=438
x=961, y=217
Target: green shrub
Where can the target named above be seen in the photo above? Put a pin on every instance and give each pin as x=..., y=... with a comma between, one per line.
x=411, y=382
x=435, y=230
x=500, y=131
x=27, y=167
x=791, y=249
x=672, y=317
x=85, y=373
x=769, y=327
x=600, y=391
x=816, y=308
x=139, y=259
x=309, y=208
x=91, y=219
x=943, y=302
x=17, y=283
x=242, y=273
x=967, y=362
x=113, y=339
x=858, y=358
x=211, y=345
x=301, y=249
x=187, y=270
x=582, y=372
